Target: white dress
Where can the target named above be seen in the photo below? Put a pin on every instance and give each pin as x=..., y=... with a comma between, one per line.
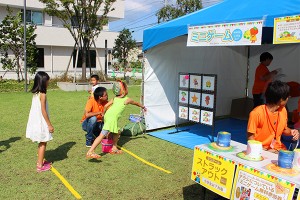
x=37, y=128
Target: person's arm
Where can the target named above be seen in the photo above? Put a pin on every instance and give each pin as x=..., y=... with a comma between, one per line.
x=250, y=136
x=91, y=114
x=269, y=76
x=88, y=110
x=130, y=101
x=108, y=105
x=44, y=112
x=252, y=125
x=291, y=132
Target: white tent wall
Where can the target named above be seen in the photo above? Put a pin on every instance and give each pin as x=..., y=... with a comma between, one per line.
x=286, y=56
x=164, y=62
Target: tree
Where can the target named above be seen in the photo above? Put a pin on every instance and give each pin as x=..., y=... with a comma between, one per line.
x=182, y=7
x=123, y=46
x=83, y=18
x=12, y=40
x=136, y=64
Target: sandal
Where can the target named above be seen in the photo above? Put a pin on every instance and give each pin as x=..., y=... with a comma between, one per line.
x=92, y=155
x=43, y=168
x=45, y=162
x=116, y=151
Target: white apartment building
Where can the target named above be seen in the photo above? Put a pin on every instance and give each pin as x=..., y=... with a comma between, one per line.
x=55, y=43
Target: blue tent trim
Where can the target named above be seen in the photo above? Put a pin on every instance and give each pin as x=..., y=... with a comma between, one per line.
x=224, y=12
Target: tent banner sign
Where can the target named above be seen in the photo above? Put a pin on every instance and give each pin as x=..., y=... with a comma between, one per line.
x=229, y=34
x=254, y=184
x=213, y=171
x=286, y=30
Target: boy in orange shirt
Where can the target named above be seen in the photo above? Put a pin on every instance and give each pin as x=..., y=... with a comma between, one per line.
x=262, y=77
x=92, y=120
x=268, y=122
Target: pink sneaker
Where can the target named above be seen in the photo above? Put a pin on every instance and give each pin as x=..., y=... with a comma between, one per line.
x=43, y=168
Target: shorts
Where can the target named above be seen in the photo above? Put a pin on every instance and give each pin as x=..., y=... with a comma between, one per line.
x=104, y=132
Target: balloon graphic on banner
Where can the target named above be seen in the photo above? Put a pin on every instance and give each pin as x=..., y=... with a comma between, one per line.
x=237, y=35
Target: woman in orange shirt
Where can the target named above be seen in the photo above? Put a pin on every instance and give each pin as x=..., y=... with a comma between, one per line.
x=268, y=122
x=262, y=77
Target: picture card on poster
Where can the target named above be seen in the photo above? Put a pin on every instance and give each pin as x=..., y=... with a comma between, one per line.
x=184, y=80
x=195, y=98
x=195, y=82
x=207, y=100
x=194, y=114
x=207, y=117
x=183, y=96
x=183, y=112
x=208, y=83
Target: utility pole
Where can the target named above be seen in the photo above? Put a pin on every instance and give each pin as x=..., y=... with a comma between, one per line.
x=25, y=53
x=166, y=3
x=105, y=66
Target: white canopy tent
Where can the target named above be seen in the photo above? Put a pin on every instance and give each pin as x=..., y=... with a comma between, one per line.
x=164, y=61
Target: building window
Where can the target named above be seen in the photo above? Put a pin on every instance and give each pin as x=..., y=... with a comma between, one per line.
x=79, y=62
x=34, y=17
x=40, y=58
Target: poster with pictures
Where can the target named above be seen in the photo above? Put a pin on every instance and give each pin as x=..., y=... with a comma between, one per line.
x=208, y=83
x=183, y=96
x=195, y=82
x=253, y=184
x=194, y=115
x=286, y=29
x=207, y=117
x=183, y=112
x=184, y=80
x=195, y=98
x=207, y=100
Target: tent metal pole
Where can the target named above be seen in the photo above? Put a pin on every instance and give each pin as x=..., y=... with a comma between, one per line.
x=248, y=69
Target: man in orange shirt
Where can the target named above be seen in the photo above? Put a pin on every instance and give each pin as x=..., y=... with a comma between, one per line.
x=268, y=122
x=262, y=77
x=92, y=120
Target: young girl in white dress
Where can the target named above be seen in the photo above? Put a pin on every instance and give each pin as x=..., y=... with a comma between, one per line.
x=39, y=128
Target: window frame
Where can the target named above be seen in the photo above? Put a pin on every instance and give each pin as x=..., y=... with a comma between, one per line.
x=79, y=62
x=31, y=14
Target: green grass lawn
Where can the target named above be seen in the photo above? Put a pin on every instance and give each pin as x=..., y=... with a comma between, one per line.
x=111, y=177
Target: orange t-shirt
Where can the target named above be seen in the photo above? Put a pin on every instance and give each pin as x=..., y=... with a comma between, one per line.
x=260, y=86
x=93, y=106
x=267, y=127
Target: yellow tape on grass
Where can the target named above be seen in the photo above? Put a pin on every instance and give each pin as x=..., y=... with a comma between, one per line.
x=144, y=161
x=66, y=183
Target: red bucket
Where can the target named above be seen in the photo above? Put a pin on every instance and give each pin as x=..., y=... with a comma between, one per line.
x=106, y=145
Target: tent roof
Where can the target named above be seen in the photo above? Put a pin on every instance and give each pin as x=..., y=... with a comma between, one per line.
x=224, y=12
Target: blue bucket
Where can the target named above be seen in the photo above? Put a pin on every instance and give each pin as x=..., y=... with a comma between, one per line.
x=285, y=159
x=223, y=139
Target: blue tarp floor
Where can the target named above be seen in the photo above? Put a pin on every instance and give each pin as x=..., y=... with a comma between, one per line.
x=200, y=134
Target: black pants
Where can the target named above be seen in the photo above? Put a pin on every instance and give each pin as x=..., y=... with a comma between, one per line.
x=258, y=99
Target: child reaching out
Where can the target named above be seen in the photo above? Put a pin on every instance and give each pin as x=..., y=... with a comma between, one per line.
x=115, y=108
x=39, y=128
